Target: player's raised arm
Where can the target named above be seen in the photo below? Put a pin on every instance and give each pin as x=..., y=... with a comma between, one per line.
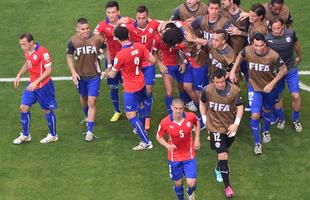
x=23, y=70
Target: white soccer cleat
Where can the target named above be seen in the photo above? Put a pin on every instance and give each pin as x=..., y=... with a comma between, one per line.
x=281, y=125
x=143, y=146
x=49, y=138
x=191, y=197
x=22, y=139
x=89, y=136
x=297, y=126
x=258, y=149
x=191, y=106
x=266, y=137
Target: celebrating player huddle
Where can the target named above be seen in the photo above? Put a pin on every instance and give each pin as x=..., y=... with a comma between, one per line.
x=206, y=48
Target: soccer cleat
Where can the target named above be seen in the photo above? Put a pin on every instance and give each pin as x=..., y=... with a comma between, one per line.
x=258, y=149
x=49, y=138
x=116, y=116
x=143, y=146
x=22, y=139
x=191, y=106
x=229, y=192
x=89, y=136
x=218, y=175
x=281, y=125
x=191, y=197
x=147, y=124
x=266, y=137
x=297, y=126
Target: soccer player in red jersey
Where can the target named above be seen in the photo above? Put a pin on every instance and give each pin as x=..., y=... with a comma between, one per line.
x=181, y=147
x=128, y=61
x=143, y=30
x=106, y=29
x=40, y=88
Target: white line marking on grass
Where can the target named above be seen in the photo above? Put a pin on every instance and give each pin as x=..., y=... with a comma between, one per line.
x=304, y=87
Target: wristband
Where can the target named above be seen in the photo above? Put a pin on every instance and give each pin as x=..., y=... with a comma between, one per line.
x=237, y=121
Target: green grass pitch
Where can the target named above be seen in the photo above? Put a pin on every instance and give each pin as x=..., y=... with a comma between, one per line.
x=108, y=168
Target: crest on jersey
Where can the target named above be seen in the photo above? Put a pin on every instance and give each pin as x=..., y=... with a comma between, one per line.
x=151, y=30
x=217, y=145
x=35, y=57
x=46, y=56
x=188, y=124
x=288, y=39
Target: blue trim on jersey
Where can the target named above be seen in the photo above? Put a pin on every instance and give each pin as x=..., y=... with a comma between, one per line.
x=171, y=116
x=37, y=46
x=127, y=45
x=107, y=20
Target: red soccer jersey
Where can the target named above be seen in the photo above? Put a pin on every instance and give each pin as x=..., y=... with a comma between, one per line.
x=38, y=61
x=144, y=36
x=168, y=56
x=179, y=134
x=186, y=51
x=128, y=61
x=107, y=30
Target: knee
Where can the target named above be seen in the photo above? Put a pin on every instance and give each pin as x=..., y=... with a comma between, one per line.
x=255, y=116
x=178, y=183
x=296, y=97
x=91, y=102
x=191, y=183
x=222, y=156
x=24, y=108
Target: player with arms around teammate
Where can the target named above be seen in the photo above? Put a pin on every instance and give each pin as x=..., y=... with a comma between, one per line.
x=129, y=61
x=285, y=42
x=39, y=89
x=86, y=71
x=181, y=147
x=222, y=110
x=266, y=69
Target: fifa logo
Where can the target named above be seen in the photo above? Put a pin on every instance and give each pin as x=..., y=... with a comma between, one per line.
x=86, y=50
x=219, y=106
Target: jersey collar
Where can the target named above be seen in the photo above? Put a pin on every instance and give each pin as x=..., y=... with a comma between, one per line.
x=127, y=45
x=171, y=116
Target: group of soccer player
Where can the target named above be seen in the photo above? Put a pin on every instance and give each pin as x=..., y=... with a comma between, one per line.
x=206, y=48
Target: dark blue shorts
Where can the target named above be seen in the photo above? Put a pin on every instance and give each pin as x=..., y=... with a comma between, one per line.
x=133, y=100
x=187, y=168
x=45, y=96
x=89, y=87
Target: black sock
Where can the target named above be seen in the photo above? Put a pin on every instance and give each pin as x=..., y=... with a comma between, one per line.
x=225, y=172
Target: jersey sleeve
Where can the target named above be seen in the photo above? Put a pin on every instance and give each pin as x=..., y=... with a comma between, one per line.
x=46, y=58
x=161, y=132
x=99, y=28
x=204, y=97
x=295, y=39
x=70, y=48
x=176, y=14
x=239, y=100
x=279, y=62
x=196, y=23
x=194, y=119
x=118, y=63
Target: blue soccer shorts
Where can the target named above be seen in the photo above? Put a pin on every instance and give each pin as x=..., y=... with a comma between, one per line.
x=149, y=74
x=133, y=100
x=45, y=96
x=187, y=168
x=197, y=76
x=259, y=100
x=292, y=81
x=175, y=73
x=89, y=87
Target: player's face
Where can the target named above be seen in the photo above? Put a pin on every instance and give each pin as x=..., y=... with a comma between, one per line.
x=142, y=19
x=276, y=8
x=192, y=3
x=112, y=13
x=219, y=83
x=213, y=10
x=177, y=110
x=25, y=45
x=277, y=29
x=254, y=17
x=83, y=30
x=259, y=46
x=226, y=3
x=217, y=41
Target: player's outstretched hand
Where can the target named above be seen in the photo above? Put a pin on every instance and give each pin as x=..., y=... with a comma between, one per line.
x=171, y=147
x=243, y=16
x=197, y=143
x=182, y=68
x=268, y=88
x=163, y=69
x=16, y=81
x=75, y=78
x=232, y=130
x=233, y=77
x=32, y=86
